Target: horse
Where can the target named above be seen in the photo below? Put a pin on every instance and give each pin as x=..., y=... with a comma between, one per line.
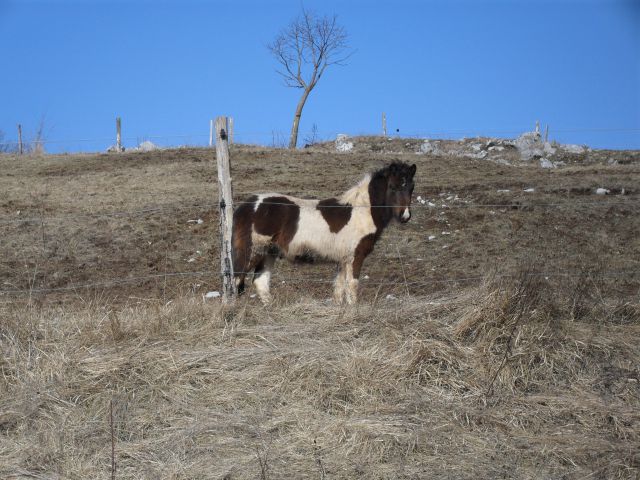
x=342, y=230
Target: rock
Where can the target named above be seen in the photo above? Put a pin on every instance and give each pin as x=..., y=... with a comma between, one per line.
x=548, y=149
x=545, y=163
x=429, y=147
x=573, y=148
x=147, y=146
x=342, y=145
x=529, y=145
x=602, y=191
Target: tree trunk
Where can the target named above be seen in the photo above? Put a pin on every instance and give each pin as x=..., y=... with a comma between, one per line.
x=293, y=139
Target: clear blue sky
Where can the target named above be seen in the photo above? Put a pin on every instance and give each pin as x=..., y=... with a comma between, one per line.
x=458, y=67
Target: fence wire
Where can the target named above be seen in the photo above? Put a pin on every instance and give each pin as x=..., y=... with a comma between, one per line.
x=273, y=134
x=605, y=202
x=317, y=280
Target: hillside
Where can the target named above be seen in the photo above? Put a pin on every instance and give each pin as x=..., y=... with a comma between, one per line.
x=497, y=336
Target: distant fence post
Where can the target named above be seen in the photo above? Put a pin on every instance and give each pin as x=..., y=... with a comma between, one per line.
x=546, y=133
x=384, y=125
x=118, y=134
x=20, y=147
x=211, y=133
x=226, y=209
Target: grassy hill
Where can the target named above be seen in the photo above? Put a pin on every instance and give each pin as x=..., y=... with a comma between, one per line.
x=497, y=336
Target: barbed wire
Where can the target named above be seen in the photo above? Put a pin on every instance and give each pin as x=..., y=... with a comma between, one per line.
x=322, y=280
x=416, y=134
x=149, y=211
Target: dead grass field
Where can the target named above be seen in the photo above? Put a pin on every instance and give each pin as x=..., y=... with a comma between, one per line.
x=488, y=361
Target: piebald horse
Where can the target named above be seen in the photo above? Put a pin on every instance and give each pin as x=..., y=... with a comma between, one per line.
x=342, y=230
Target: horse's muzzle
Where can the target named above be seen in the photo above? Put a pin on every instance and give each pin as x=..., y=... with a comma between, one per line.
x=406, y=215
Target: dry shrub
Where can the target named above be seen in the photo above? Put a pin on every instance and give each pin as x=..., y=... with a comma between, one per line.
x=513, y=323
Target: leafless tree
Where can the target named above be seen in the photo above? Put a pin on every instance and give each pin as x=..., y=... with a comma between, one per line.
x=304, y=50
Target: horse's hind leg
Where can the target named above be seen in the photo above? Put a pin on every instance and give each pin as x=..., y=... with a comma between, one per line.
x=262, y=277
x=340, y=283
x=242, y=254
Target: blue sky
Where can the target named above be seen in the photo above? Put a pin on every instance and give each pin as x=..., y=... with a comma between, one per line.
x=439, y=69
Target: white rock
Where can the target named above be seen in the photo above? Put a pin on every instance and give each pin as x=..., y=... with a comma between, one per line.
x=529, y=190
x=432, y=237
x=342, y=145
x=573, y=148
x=390, y=297
x=545, y=163
x=211, y=295
x=603, y=191
x=147, y=146
x=529, y=145
x=548, y=149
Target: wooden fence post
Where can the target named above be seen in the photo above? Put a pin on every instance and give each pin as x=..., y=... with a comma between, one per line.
x=226, y=210
x=211, y=133
x=20, y=148
x=384, y=125
x=118, y=135
x=230, y=130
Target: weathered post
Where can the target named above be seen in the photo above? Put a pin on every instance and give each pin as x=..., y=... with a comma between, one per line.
x=20, y=148
x=384, y=125
x=118, y=134
x=230, y=130
x=226, y=210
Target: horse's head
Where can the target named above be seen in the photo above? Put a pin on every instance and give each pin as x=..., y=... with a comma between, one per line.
x=399, y=189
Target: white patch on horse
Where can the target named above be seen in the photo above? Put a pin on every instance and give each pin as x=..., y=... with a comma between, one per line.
x=313, y=233
x=406, y=215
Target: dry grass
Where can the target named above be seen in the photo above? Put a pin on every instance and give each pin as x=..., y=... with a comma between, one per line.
x=520, y=375
x=493, y=381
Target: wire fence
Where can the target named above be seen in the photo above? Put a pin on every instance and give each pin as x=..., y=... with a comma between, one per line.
x=322, y=280
x=280, y=138
x=40, y=219
x=606, y=201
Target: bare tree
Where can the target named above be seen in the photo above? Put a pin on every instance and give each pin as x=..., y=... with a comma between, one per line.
x=304, y=50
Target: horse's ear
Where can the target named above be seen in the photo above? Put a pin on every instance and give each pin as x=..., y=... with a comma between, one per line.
x=412, y=170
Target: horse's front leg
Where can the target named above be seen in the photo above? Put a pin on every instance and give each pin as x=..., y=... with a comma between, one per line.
x=352, y=271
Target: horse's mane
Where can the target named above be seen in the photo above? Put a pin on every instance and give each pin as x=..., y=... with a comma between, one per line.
x=358, y=194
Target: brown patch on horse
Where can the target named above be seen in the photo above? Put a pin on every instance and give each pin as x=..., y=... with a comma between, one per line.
x=277, y=217
x=364, y=248
x=336, y=214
